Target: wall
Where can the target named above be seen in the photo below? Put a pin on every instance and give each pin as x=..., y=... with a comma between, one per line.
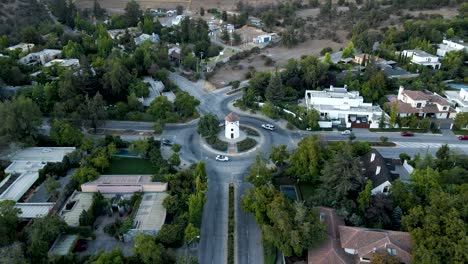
x=380, y=188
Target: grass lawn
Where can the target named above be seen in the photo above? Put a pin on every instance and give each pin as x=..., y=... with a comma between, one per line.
x=126, y=165
x=307, y=190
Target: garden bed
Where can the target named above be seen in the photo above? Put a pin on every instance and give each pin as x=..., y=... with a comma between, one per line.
x=231, y=222
x=246, y=144
x=217, y=143
x=249, y=131
x=382, y=144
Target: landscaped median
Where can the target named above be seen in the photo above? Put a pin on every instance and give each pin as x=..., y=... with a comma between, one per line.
x=217, y=143
x=246, y=144
x=231, y=222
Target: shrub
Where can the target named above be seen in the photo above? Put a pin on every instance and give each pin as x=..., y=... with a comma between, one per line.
x=326, y=50
x=216, y=143
x=246, y=144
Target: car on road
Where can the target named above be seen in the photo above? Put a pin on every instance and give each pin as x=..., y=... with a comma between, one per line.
x=167, y=142
x=464, y=137
x=222, y=158
x=406, y=134
x=268, y=127
x=346, y=132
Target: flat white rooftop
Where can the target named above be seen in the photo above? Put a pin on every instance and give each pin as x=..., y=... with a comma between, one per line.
x=34, y=210
x=49, y=154
x=151, y=214
x=123, y=184
x=20, y=166
x=77, y=203
x=20, y=186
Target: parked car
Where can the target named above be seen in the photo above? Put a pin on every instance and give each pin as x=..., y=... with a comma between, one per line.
x=222, y=158
x=464, y=137
x=268, y=127
x=167, y=142
x=406, y=134
x=346, y=132
x=81, y=245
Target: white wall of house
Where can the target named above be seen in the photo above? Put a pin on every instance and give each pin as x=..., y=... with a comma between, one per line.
x=231, y=130
x=382, y=188
x=350, y=251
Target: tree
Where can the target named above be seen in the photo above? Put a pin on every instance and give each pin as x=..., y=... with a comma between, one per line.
x=64, y=134
x=202, y=11
x=72, y=50
x=195, y=208
x=348, y=52
x=140, y=147
x=306, y=161
x=208, y=126
x=327, y=58
x=13, y=253
x=132, y=13
x=171, y=235
x=185, y=104
x=274, y=92
x=310, y=117
x=289, y=37
x=279, y=154
x=191, y=232
x=93, y=111
x=313, y=70
x=461, y=120
x=225, y=36
x=342, y=180
x=259, y=173
x=51, y=186
x=8, y=222
x=40, y=235
x=236, y=38
x=424, y=181
x=438, y=229
x=148, y=251
x=179, y=10
x=379, y=212
x=364, y=197
x=174, y=159
x=85, y=174
x=224, y=15
x=21, y=119
x=114, y=257
x=269, y=19
x=393, y=115
x=161, y=108
x=116, y=78
x=382, y=120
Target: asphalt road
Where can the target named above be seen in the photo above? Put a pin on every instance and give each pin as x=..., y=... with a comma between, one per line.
x=213, y=242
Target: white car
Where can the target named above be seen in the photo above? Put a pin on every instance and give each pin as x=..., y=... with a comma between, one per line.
x=268, y=127
x=346, y=132
x=222, y=158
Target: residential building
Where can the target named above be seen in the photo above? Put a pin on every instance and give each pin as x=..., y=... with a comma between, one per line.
x=75, y=205
x=34, y=210
x=231, y=123
x=23, y=172
x=230, y=28
x=341, y=107
x=363, y=242
x=63, y=63
x=330, y=251
x=262, y=39
x=422, y=58
x=153, y=38
x=175, y=54
x=155, y=89
x=41, y=57
x=24, y=47
x=382, y=172
x=123, y=184
x=458, y=99
x=449, y=45
x=420, y=103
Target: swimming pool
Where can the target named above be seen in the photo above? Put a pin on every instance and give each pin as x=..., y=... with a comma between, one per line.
x=458, y=86
x=289, y=191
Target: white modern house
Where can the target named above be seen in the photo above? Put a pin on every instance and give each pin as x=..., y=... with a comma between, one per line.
x=262, y=39
x=422, y=58
x=231, y=124
x=176, y=21
x=458, y=99
x=41, y=57
x=338, y=106
x=24, y=47
x=153, y=38
x=449, y=45
x=63, y=63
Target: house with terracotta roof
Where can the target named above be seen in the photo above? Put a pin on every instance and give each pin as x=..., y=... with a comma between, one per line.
x=420, y=103
x=363, y=242
x=330, y=251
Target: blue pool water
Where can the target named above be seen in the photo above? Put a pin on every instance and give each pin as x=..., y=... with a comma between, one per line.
x=458, y=86
x=289, y=191
x=125, y=153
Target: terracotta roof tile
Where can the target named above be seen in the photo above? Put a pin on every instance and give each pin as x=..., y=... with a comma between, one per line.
x=232, y=117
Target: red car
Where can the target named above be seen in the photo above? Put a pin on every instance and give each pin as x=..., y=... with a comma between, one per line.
x=406, y=134
x=464, y=137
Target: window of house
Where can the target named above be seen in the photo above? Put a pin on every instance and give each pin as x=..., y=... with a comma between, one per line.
x=444, y=108
x=386, y=189
x=391, y=251
x=232, y=129
x=418, y=105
